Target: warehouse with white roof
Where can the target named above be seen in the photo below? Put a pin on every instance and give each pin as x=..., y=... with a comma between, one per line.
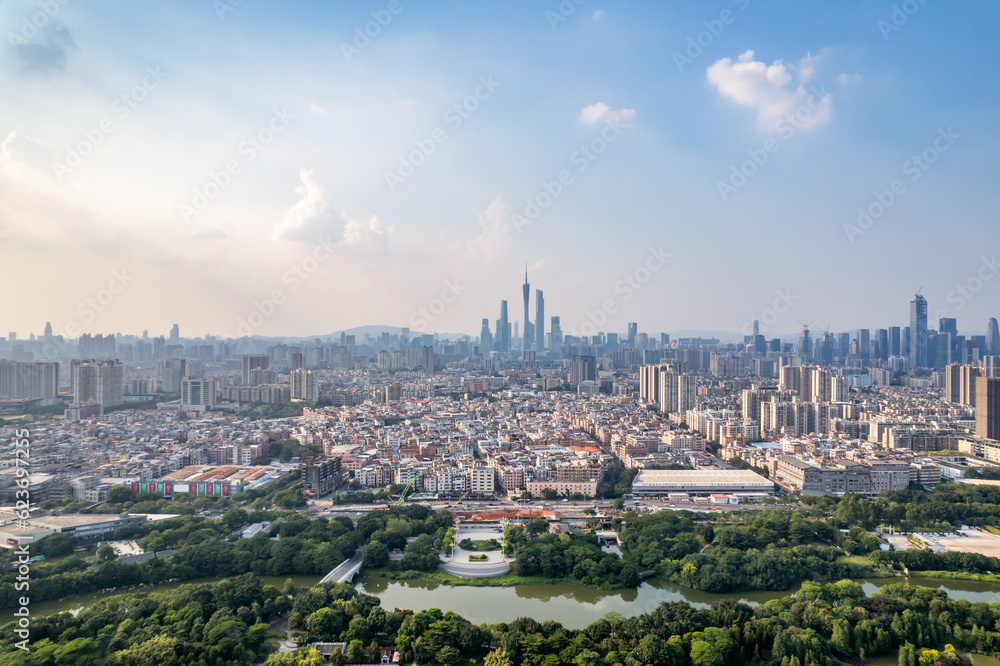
x=700, y=483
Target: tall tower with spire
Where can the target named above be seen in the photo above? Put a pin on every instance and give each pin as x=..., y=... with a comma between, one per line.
x=527, y=324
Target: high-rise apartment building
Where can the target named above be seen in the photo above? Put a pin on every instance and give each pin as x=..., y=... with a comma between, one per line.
x=98, y=381
x=582, y=369
x=26, y=381
x=988, y=407
x=305, y=385
x=254, y=362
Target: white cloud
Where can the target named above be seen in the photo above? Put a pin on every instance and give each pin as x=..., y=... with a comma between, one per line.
x=598, y=15
x=496, y=232
x=311, y=218
x=600, y=112
x=769, y=90
x=846, y=78
x=371, y=235
x=316, y=108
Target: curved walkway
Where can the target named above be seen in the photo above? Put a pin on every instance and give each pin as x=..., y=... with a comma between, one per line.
x=476, y=570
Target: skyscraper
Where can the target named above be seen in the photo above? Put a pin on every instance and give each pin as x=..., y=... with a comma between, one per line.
x=555, y=340
x=864, y=343
x=895, y=341
x=539, y=320
x=918, y=332
x=526, y=289
x=992, y=337
x=503, y=329
x=175, y=334
x=485, y=338
x=633, y=330
x=988, y=407
x=883, y=343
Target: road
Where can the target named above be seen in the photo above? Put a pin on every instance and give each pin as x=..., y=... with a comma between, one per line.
x=325, y=506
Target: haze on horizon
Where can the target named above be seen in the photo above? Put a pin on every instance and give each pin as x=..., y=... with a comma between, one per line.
x=188, y=163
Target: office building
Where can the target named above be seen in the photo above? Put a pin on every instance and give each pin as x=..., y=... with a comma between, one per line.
x=864, y=343
x=427, y=359
x=485, y=338
x=526, y=289
x=539, y=320
x=556, y=336
x=321, y=476
x=503, y=329
x=197, y=394
x=992, y=337
x=918, y=332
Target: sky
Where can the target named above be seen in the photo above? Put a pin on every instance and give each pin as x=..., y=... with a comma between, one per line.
x=249, y=167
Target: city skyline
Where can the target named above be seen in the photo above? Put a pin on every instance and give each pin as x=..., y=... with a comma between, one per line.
x=193, y=183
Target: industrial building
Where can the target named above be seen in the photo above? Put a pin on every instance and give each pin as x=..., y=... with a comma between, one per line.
x=660, y=483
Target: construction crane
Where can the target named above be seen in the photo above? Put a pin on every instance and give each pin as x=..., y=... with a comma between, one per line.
x=406, y=489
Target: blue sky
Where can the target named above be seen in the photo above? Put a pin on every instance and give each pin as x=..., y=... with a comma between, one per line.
x=308, y=231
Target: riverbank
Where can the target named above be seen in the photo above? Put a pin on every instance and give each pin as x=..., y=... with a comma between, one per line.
x=955, y=575
x=506, y=580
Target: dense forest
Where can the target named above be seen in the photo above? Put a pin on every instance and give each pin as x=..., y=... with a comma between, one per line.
x=228, y=623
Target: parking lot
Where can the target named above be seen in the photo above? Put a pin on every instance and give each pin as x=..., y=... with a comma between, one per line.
x=974, y=541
